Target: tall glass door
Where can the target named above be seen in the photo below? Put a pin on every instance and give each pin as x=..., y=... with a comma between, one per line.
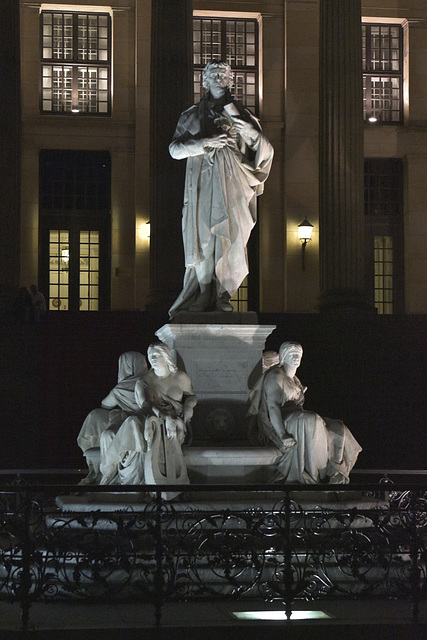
x=74, y=264
x=75, y=229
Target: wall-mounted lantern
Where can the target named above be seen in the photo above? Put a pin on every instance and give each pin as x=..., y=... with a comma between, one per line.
x=305, y=230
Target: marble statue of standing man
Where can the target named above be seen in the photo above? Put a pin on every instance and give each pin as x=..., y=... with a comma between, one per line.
x=228, y=161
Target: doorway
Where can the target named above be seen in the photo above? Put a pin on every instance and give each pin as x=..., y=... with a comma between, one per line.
x=75, y=229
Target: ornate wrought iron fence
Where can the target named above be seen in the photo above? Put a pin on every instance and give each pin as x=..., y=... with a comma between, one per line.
x=271, y=543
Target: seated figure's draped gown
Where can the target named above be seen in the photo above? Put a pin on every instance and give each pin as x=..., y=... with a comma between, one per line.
x=115, y=407
x=123, y=452
x=325, y=449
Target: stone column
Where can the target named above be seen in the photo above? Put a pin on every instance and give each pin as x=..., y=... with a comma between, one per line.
x=10, y=117
x=171, y=93
x=341, y=212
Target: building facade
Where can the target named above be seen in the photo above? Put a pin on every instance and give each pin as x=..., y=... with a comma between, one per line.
x=96, y=81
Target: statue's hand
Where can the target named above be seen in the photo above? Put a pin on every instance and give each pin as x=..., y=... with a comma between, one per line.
x=149, y=433
x=246, y=131
x=188, y=414
x=216, y=142
x=170, y=425
x=288, y=442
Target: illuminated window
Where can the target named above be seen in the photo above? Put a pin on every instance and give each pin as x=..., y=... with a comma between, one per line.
x=59, y=260
x=89, y=270
x=75, y=229
x=233, y=40
x=240, y=298
x=384, y=232
x=382, y=73
x=75, y=63
x=383, y=274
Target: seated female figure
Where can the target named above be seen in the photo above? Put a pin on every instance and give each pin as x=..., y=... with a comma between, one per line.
x=114, y=409
x=313, y=449
x=149, y=443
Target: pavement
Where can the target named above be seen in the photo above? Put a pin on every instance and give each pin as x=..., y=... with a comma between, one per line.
x=349, y=620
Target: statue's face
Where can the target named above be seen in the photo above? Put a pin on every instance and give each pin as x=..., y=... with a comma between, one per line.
x=218, y=79
x=293, y=357
x=156, y=358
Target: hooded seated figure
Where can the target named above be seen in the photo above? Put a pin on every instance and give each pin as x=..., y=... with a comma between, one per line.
x=146, y=449
x=114, y=409
x=313, y=449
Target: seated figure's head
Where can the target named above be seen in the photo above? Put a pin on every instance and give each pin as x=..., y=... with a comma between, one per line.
x=269, y=359
x=290, y=353
x=131, y=363
x=159, y=351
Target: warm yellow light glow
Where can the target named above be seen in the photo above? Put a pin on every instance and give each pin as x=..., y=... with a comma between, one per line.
x=305, y=229
x=280, y=615
x=84, y=8
x=143, y=230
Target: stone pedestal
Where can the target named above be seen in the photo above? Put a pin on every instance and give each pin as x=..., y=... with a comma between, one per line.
x=223, y=362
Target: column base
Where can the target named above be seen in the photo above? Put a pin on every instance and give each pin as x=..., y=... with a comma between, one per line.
x=345, y=303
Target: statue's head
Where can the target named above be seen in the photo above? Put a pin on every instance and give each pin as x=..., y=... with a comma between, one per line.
x=217, y=66
x=291, y=353
x=131, y=363
x=269, y=359
x=160, y=350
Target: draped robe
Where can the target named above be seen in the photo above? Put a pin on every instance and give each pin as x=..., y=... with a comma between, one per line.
x=123, y=451
x=325, y=449
x=114, y=409
x=221, y=187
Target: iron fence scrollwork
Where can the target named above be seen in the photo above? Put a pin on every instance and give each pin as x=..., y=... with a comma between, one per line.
x=287, y=548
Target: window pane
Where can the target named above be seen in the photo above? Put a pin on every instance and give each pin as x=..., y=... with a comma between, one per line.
x=75, y=37
x=383, y=281
x=89, y=270
x=382, y=98
x=382, y=64
x=240, y=298
x=58, y=269
x=234, y=41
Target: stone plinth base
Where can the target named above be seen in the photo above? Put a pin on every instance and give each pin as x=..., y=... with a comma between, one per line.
x=223, y=361
x=215, y=317
x=234, y=465
x=234, y=500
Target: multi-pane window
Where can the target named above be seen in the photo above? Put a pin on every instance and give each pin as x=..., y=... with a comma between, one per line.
x=382, y=73
x=236, y=42
x=383, y=188
x=75, y=229
x=383, y=274
x=61, y=257
x=240, y=298
x=384, y=232
x=59, y=260
x=76, y=58
x=89, y=270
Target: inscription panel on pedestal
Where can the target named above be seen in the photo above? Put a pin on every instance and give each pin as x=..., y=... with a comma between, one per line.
x=220, y=376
